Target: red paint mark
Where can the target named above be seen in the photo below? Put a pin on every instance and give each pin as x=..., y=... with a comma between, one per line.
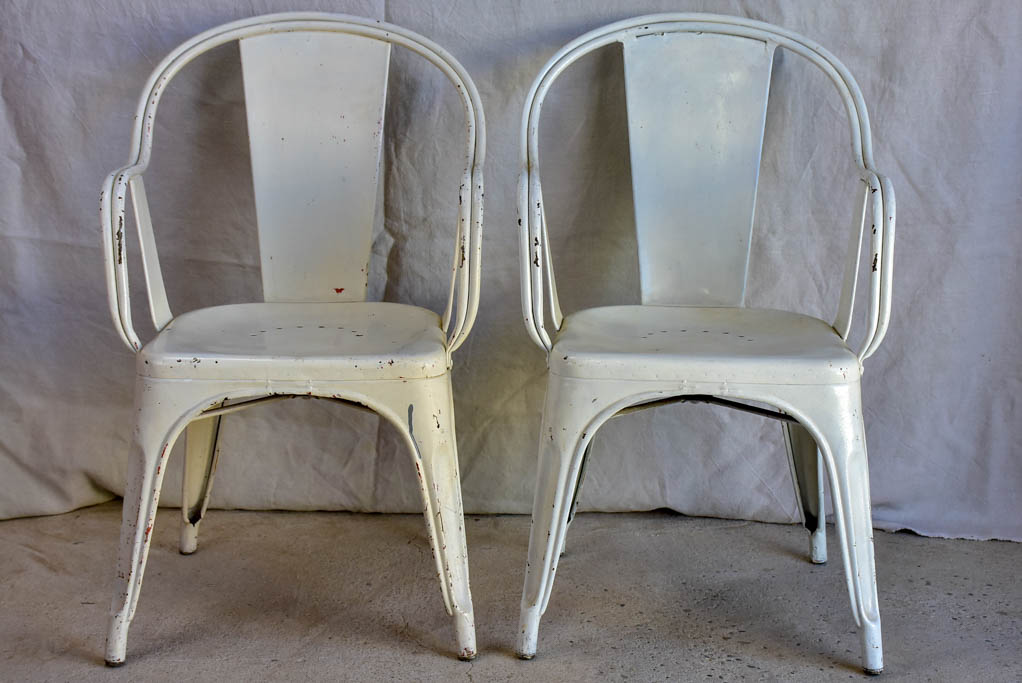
x=338, y=290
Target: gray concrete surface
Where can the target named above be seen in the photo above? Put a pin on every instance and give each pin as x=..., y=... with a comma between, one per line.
x=640, y=597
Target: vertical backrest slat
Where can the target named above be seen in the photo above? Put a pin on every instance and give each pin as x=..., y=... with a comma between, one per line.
x=315, y=104
x=696, y=112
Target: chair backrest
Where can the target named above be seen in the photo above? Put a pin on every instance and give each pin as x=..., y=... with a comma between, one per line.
x=315, y=105
x=696, y=87
x=696, y=109
x=315, y=87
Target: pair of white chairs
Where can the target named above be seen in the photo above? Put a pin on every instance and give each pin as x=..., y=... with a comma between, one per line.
x=694, y=186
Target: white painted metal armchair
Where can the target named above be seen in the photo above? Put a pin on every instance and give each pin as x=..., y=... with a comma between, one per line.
x=315, y=160
x=694, y=174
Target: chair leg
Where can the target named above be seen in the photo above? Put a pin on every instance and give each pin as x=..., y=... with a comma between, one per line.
x=807, y=473
x=141, y=496
x=427, y=408
x=583, y=468
x=837, y=416
x=201, y=456
x=567, y=414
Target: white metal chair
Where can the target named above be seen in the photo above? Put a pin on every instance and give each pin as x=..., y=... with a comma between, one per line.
x=315, y=335
x=694, y=175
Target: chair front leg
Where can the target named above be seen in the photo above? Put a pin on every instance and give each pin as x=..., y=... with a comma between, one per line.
x=426, y=408
x=568, y=415
x=835, y=414
x=146, y=468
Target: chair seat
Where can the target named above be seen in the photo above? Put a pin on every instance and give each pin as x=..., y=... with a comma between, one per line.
x=722, y=344
x=299, y=341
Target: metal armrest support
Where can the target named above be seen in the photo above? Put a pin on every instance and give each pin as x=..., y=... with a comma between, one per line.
x=881, y=265
x=111, y=207
x=877, y=220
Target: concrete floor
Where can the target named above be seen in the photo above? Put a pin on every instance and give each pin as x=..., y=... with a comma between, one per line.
x=648, y=597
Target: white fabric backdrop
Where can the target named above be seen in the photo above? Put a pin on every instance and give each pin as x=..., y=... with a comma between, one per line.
x=942, y=82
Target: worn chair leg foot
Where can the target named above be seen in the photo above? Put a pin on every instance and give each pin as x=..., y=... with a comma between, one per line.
x=818, y=545
x=872, y=648
x=189, y=538
x=528, y=633
x=117, y=641
x=465, y=634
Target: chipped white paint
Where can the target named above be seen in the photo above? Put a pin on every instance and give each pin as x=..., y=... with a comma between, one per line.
x=694, y=199
x=391, y=358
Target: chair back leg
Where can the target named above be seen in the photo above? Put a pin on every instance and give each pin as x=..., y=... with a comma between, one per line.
x=577, y=495
x=201, y=456
x=807, y=475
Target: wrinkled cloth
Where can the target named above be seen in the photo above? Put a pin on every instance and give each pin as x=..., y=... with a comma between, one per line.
x=940, y=396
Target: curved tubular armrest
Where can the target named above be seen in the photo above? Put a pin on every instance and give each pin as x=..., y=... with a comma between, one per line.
x=467, y=272
x=459, y=237
x=878, y=219
x=535, y=252
x=875, y=212
x=469, y=257
x=111, y=212
x=539, y=269
x=882, y=266
x=527, y=263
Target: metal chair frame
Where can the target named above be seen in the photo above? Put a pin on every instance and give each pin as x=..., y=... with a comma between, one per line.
x=421, y=408
x=572, y=415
